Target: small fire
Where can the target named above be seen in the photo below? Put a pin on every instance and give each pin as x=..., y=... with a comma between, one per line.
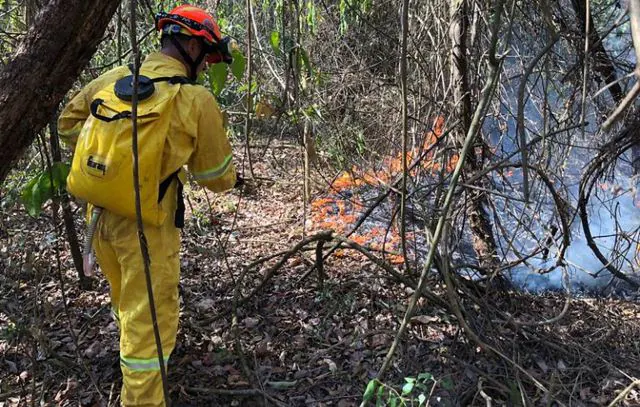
x=341, y=209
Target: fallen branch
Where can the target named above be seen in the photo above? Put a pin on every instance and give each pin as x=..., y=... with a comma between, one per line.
x=457, y=310
x=389, y=269
x=624, y=393
x=9, y=394
x=325, y=235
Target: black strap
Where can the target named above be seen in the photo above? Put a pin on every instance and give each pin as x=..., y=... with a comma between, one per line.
x=193, y=64
x=179, y=216
x=174, y=80
x=164, y=185
x=180, y=208
x=94, y=111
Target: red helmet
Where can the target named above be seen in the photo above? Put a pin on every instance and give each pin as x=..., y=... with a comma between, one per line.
x=197, y=22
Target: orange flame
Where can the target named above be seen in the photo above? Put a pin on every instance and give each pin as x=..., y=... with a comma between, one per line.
x=339, y=214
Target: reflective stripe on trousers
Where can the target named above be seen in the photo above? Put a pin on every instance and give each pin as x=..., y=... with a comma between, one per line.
x=142, y=365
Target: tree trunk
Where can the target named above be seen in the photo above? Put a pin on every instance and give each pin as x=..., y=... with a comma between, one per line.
x=43, y=68
x=484, y=243
x=603, y=66
x=67, y=215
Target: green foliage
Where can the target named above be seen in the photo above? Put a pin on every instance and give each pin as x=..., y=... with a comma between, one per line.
x=303, y=61
x=13, y=332
x=311, y=17
x=274, y=40
x=350, y=12
x=414, y=392
x=43, y=186
x=217, y=78
x=238, y=65
x=306, y=62
x=370, y=391
x=343, y=16
x=218, y=73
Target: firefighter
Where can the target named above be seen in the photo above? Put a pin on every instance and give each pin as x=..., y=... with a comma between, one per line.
x=187, y=130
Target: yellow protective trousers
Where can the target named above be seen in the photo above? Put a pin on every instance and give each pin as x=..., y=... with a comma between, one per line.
x=119, y=256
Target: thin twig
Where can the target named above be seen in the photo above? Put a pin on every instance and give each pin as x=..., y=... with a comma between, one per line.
x=144, y=248
x=405, y=135
x=247, y=123
x=624, y=393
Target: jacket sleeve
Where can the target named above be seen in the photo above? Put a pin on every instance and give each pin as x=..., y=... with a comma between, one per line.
x=211, y=163
x=76, y=112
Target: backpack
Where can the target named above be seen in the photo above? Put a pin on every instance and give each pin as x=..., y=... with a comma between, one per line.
x=102, y=168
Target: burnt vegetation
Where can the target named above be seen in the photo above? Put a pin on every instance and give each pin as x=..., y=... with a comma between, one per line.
x=441, y=207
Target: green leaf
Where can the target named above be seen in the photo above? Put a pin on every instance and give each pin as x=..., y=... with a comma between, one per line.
x=27, y=195
x=343, y=16
x=60, y=171
x=393, y=400
x=421, y=399
x=425, y=377
x=370, y=390
x=447, y=383
x=407, y=388
x=275, y=42
x=306, y=61
x=37, y=191
x=43, y=189
x=217, y=77
x=238, y=65
x=311, y=16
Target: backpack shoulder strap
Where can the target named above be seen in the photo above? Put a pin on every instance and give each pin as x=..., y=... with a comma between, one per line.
x=180, y=208
x=94, y=112
x=174, y=80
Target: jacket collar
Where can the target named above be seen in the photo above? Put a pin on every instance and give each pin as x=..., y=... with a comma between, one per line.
x=164, y=65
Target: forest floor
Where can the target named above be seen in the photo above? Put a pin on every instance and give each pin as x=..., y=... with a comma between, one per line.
x=296, y=344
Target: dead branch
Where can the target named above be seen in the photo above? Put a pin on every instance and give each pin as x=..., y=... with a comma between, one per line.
x=522, y=136
x=634, y=17
x=325, y=235
x=389, y=269
x=320, y=264
x=144, y=248
x=457, y=310
x=624, y=393
x=608, y=155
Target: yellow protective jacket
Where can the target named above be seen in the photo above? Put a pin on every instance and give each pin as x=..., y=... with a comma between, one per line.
x=196, y=134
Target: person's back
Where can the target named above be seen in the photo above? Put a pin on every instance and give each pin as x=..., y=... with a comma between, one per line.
x=194, y=137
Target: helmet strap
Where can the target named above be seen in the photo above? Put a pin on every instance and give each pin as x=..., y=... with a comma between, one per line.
x=187, y=58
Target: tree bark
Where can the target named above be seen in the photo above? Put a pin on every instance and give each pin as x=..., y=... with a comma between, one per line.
x=67, y=215
x=43, y=68
x=484, y=243
x=602, y=64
